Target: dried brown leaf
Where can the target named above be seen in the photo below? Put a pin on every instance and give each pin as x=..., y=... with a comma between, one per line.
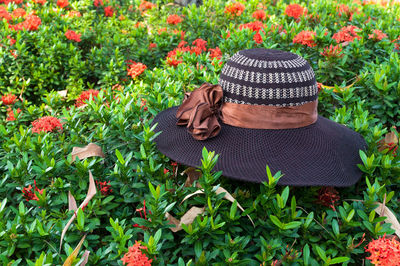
x=71, y=202
x=63, y=93
x=91, y=192
x=85, y=257
x=192, y=175
x=186, y=219
x=174, y=221
x=382, y=210
x=70, y=259
x=88, y=151
x=227, y=196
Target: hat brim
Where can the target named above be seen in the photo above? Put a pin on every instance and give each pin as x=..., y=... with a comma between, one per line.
x=322, y=154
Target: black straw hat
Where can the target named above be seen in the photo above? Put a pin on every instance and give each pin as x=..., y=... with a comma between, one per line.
x=262, y=112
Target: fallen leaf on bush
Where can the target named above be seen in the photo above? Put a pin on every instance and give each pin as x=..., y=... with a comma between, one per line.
x=186, y=219
x=70, y=259
x=341, y=88
x=192, y=175
x=85, y=257
x=382, y=210
x=89, y=150
x=63, y=93
x=71, y=202
x=227, y=196
x=82, y=106
x=389, y=140
x=91, y=192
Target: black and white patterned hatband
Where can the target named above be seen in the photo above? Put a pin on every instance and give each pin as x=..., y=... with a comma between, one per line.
x=268, y=77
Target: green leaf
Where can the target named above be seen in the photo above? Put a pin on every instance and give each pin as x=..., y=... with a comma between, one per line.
x=198, y=248
x=157, y=236
x=335, y=227
x=22, y=210
x=233, y=210
x=80, y=219
x=119, y=156
x=339, y=260
x=291, y=225
x=306, y=254
x=321, y=253
x=276, y=221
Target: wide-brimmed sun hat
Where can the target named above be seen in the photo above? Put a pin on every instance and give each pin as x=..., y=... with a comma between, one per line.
x=262, y=112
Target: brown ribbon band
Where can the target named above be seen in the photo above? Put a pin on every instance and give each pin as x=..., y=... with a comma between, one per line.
x=269, y=117
x=202, y=108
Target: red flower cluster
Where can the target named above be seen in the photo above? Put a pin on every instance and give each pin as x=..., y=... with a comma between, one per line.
x=215, y=53
x=174, y=19
x=62, y=3
x=305, y=37
x=143, y=216
x=328, y=196
x=384, y=251
x=10, y=114
x=28, y=194
x=377, y=35
x=42, y=2
x=12, y=41
x=19, y=12
x=256, y=26
x=32, y=22
x=4, y=13
x=259, y=14
x=332, y=51
x=347, y=34
x=108, y=11
x=135, y=68
x=295, y=11
x=145, y=5
x=135, y=257
x=73, y=36
x=104, y=188
x=9, y=99
x=198, y=48
x=85, y=96
x=74, y=13
x=46, y=124
x=235, y=9
x=98, y=3
x=152, y=45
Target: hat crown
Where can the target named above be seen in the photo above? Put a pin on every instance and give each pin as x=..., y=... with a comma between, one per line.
x=268, y=77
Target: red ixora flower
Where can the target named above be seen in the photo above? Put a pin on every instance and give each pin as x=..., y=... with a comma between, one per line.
x=46, y=124
x=97, y=3
x=62, y=3
x=145, y=5
x=295, y=11
x=85, y=96
x=10, y=114
x=235, y=9
x=108, y=11
x=73, y=36
x=377, y=35
x=19, y=12
x=28, y=194
x=42, y=2
x=135, y=257
x=259, y=14
x=74, y=13
x=9, y=99
x=174, y=19
x=135, y=68
x=328, y=196
x=305, y=37
x=140, y=210
x=104, y=187
x=152, y=45
x=332, y=51
x=347, y=34
x=384, y=251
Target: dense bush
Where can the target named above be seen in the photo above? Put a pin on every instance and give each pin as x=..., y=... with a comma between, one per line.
x=124, y=63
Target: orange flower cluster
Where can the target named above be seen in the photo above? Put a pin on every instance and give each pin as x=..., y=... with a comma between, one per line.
x=85, y=96
x=259, y=14
x=73, y=36
x=62, y=3
x=31, y=23
x=4, y=13
x=145, y=5
x=305, y=37
x=28, y=194
x=328, y=196
x=9, y=99
x=108, y=11
x=332, y=51
x=19, y=12
x=347, y=34
x=135, y=68
x=198, y=48
x=46, y=124
x=215, y=53
x=74, y=13
x=98, y=3
x=384, y=251
x=174, y=19
x=12, y=41
x=42, y=2
x=135, y=257
x=377, y=35
x=10, y=114
x=235, y=9
x=295, y=11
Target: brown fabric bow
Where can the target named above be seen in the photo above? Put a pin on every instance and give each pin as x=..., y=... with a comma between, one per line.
x=200, y=111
